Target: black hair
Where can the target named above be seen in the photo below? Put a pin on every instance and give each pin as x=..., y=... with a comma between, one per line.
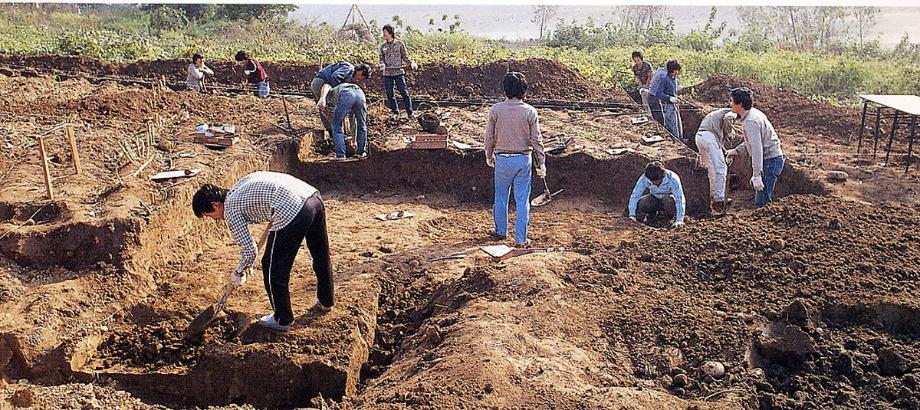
x=201, y=202
x=654, y=171
x=241, y=55
x=196, y=57
x=389, y=29
x=364, y=68
x=743, y=96
x=673, y=66
x=637, y=54
x=514, y=84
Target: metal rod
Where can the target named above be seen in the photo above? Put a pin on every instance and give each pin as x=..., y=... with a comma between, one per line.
x=862, y=127
x=286, y=114
x=910, y=144
x=878, y=122
x=894, y=127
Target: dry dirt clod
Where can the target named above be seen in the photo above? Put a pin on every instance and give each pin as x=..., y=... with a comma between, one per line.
x=22, y=398
x=837, y=176
x=777, y=245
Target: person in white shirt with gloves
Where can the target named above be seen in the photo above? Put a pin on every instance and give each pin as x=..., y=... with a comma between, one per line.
x=761, y=141
x=714, y=132
x=296, y=212
x=196, y=72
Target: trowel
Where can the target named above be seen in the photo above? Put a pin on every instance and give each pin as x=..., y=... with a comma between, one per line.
x=204, y=319
x=546, y=197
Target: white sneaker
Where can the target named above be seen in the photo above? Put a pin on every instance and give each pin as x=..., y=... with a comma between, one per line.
x=270, y=322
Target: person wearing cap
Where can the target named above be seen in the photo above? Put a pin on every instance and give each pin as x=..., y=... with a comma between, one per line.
x=513, y=145
x=714, y=133
x=761, y=141
x=665, y=197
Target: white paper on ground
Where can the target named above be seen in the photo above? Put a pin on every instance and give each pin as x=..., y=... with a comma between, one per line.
x=496, y=251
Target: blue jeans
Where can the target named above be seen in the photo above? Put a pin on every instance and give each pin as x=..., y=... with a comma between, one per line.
x=772, y=167
x=671, y=122
x=512, y=170
x=399, y=81
x=264, y=89
x=351, y=100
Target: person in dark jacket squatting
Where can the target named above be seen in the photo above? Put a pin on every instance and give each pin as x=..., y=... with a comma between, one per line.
x=295, y=211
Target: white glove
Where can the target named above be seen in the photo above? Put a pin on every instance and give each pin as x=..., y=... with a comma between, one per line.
x=490, y=161
x=757, y=181
x=731, y=153
x=247, y=72
x=541, y=172
x=321, y=104
x=677, y=224
x=237, y=279
x=674, y=100
x=414, y=65
x=383, y=66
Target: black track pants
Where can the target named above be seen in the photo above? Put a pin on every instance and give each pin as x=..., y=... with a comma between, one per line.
x=281, y=249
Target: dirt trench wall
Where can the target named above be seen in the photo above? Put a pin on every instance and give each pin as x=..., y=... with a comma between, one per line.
x=469, y=180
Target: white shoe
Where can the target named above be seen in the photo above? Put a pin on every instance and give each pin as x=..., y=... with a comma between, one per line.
x=270, y=322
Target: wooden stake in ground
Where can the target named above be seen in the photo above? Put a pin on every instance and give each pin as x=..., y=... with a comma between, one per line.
x=73, y=149
x=286, y=114
x=47, y=173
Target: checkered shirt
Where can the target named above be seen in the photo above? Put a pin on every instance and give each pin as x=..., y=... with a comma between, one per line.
x=262, y=197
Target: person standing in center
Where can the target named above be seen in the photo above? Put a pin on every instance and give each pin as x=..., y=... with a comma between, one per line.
x=761, y=141
x=715, y=131
x=393, y=60
x=513, y=144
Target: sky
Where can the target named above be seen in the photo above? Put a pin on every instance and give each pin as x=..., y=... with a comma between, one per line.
x=512, y=22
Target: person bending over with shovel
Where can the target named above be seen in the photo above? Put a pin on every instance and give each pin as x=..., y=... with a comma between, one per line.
x=295, y=211
x=513, y=144
x=665, y=196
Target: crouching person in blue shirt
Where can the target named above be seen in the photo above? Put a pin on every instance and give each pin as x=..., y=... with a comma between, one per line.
x=665, y=197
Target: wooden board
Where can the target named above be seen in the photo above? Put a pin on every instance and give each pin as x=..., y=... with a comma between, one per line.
x=428, y=145
x=182, y=173
x=215, y=140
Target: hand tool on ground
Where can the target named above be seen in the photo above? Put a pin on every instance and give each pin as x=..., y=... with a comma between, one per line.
x=725, y=199
x=545, y=197
x=205, y=318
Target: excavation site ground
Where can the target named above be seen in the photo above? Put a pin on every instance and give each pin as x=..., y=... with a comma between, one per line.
x=809, y=303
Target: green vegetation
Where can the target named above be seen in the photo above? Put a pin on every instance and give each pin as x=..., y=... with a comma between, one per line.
x=816, y=59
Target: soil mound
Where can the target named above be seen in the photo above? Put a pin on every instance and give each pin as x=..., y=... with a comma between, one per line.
x=548, y=80
x=817, y=249
x=785, y=108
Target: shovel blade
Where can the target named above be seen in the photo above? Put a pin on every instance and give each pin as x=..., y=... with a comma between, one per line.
x=201, y=322
x=541, y=199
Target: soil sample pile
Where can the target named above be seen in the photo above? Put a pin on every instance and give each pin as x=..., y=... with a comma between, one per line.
x=784, y=108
